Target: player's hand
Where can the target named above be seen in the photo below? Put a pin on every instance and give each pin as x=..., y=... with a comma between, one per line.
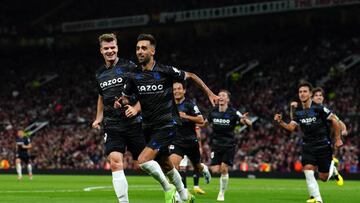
x=214, y=99
x=294, y=104
x=130, y=111
x=120, y=102
x=96, y=124
x=182, y=114
x=278, y=118
x=338, y=143
x=245, y=115
x=344, y=133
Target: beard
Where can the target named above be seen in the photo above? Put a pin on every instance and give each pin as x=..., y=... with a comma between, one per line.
x=145, y=61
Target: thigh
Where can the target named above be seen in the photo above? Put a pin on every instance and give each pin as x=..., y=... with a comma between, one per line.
x=135, y=141
x=228, y=157
x=176, y=149
x=114, y=142
x=193, y=153
x=308, y=157
x=176, y=160
x=324, y=158
x=160, y=139
x=216, y=158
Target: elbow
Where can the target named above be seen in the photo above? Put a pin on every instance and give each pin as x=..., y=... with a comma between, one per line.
x=190, y=75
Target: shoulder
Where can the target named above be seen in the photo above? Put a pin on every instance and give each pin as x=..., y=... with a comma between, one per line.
x=232, y=110
x=165, y=68
x=128, y=65
x=189, y=102
x=100, y=71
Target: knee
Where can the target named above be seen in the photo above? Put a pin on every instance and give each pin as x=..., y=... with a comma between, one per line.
x=198, y=169
x=116, y=165
x=224, y=170
x=141, y=160
x=166, y=167
x=137, y=166
x=323, y=177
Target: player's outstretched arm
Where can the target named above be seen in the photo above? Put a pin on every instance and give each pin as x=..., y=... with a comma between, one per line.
x=245, y=119
x=28, y=146
x=212, y=97
x=343, y=128
x=99, y=113
x=336, y=126
x=199, y=119
x=288, y=126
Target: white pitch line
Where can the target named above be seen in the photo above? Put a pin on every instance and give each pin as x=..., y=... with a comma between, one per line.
x=157, y=188
x=37, y=191
x=88, y=189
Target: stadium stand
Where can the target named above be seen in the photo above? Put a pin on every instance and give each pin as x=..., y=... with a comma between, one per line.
x=68, y=102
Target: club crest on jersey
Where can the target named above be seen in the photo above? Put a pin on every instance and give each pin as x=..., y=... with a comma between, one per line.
x=150, y=88
x=308, y=120
x=221, y=121
x=111, y=82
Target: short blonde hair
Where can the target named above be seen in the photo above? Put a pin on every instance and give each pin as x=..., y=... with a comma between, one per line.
x=107, y=37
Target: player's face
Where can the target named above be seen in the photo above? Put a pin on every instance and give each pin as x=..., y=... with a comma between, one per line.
x=20, y=133
x=144, y=51
x=318, y=98
x=304, y=93
x=109, y=50
x=223, y=98
x=179, y=91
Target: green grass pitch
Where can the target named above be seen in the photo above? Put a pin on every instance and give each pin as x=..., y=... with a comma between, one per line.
x=143, y=189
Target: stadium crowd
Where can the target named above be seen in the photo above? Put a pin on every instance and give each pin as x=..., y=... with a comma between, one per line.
x=68, y=102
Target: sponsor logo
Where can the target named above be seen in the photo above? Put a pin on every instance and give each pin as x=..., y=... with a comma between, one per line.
x=308, y=120
x=111, y=82
x=150, y=88
x=221, y=121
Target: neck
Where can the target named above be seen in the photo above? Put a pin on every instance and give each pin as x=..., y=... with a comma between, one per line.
x=110, y=64
x=223, y=108
x=306, y=104
x=178, y=101
x=149, y=65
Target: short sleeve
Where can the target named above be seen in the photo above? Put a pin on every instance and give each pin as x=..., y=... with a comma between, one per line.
x=324, y=112
x=175, y=73
x=194, y=109
x=129, y=88
x=210, y=117
x=239, y=114
x=295, y=118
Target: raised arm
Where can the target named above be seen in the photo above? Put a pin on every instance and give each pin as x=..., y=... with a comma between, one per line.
x=212, y=97
x=288, y=126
